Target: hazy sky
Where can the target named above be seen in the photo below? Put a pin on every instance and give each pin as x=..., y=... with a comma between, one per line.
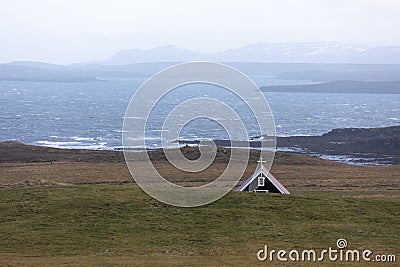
x=66, y=31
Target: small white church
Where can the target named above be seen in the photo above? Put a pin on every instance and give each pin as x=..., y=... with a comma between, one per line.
x=262, y=181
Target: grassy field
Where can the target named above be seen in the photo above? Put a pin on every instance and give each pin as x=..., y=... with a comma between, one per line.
x=115, y=225
x=65, y=208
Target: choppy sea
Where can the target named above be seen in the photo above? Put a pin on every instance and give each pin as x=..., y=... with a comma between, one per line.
x=90, y=115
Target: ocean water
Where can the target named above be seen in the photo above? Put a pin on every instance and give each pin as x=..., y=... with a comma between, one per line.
x=90, y=115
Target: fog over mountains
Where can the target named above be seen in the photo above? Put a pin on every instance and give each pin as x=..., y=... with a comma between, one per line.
x=280, y=67
x=313, y=52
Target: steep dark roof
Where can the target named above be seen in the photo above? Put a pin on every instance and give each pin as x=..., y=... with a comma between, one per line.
x=269, y=176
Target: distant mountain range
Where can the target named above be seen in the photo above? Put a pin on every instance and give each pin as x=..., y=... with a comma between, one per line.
x=316, y=52
x=293, y=62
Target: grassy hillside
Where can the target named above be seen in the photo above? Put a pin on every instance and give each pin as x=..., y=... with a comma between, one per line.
x=121, y=226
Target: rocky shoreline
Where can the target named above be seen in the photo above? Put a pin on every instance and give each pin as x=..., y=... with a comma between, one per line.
x=380, y=145
x=356, y=146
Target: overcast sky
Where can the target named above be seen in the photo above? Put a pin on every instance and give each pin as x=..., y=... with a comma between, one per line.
x=69, y=31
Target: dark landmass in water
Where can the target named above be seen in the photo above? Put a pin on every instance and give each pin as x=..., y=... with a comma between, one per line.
x=351, y=145
x=34, y=74
x=316, y=72
x=381, y=145
x=353, y=87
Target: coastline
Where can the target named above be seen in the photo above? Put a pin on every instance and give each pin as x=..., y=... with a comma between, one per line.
x=25, y=165
x=354, y=146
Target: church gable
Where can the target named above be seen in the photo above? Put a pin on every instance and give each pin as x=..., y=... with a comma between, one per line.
x=263, y=181
x=262, y=184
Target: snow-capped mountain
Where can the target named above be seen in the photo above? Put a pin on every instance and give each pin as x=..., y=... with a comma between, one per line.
x=292, y=52
x=322, y=52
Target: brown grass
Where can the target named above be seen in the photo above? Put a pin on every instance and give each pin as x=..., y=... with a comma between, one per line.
x=294, y=171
